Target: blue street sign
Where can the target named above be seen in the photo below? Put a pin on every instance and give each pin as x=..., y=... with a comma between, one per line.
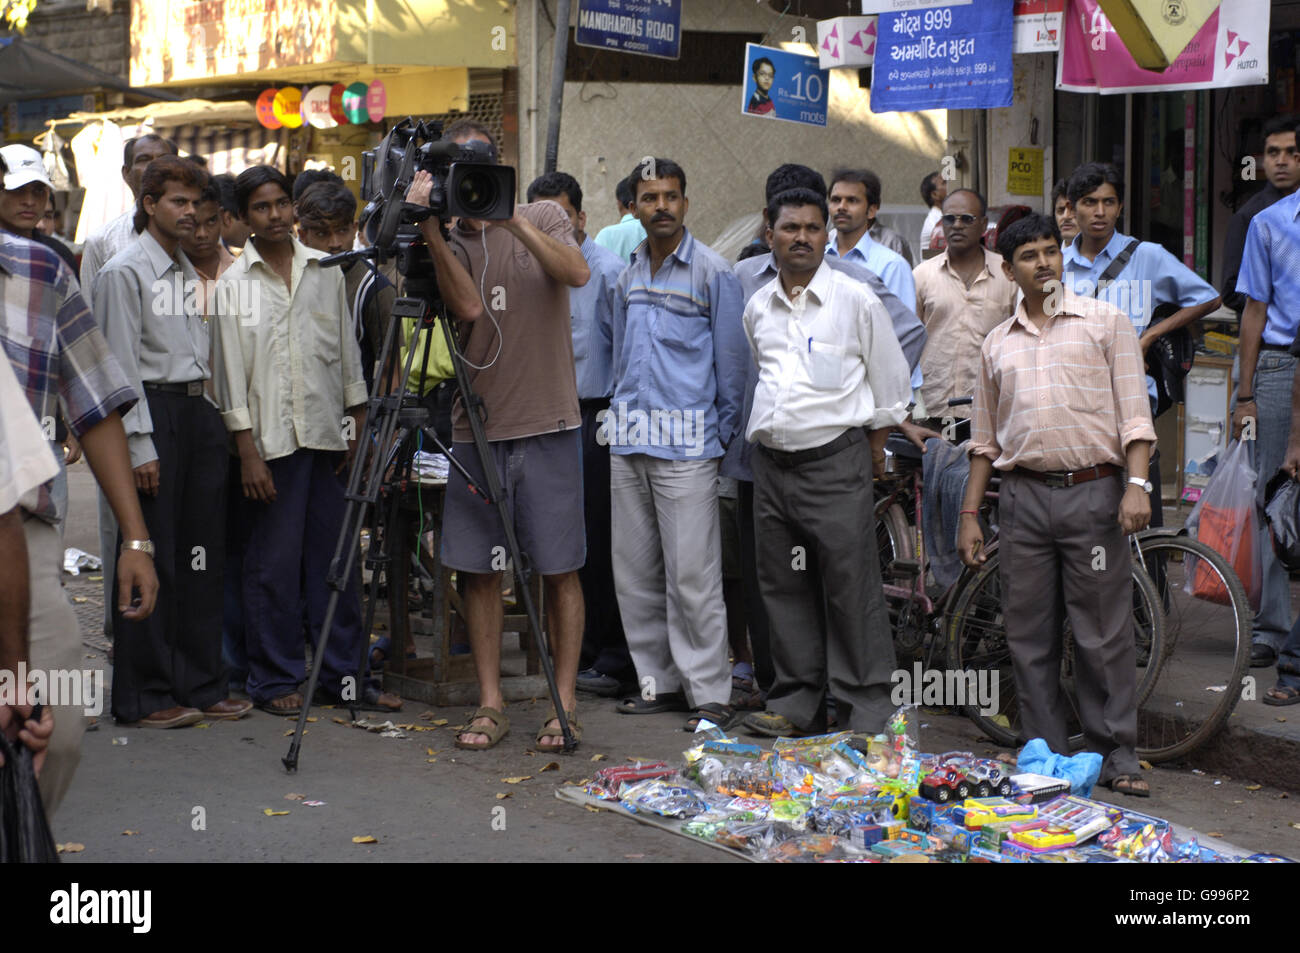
x=782, y=85
x=956, y=57
x=648, y=27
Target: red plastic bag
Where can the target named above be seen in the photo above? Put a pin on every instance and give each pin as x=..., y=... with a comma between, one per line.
x=1227, y=520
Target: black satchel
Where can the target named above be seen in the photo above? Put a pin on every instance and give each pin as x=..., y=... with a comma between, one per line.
x=1170, y=357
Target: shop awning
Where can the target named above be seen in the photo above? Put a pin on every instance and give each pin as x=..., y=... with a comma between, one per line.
x=27, y=70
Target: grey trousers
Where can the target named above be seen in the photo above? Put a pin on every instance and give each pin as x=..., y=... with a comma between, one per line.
x=667, y=554
x=818, y=572
x=55, y=639
x=1062, y=554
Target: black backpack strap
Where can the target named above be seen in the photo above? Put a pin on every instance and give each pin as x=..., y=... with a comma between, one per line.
x=1117, y=265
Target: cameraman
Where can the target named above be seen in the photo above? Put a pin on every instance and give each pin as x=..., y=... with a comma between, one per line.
x=519, y=352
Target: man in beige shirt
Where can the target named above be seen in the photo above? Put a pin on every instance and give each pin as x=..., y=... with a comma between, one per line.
x=291, y=391
x=1061, y=410
x=961, y=295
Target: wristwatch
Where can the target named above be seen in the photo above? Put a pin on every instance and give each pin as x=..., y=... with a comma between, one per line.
x=140, y=545
x=1139, y=481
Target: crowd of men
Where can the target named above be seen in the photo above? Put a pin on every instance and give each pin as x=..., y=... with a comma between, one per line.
x=686, y=444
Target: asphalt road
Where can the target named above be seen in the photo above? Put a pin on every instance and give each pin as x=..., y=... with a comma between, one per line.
x=200, y=794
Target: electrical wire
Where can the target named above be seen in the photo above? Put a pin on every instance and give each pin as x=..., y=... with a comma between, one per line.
x=491, y=317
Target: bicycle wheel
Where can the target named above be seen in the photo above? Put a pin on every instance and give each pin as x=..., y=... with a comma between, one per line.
x=896, y=546
x=1206, y=646
x=977, y=642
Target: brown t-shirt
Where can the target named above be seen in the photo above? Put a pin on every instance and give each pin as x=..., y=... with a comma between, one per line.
x=531, y=388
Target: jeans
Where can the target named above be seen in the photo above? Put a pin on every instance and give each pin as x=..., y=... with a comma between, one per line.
x=1273, y=377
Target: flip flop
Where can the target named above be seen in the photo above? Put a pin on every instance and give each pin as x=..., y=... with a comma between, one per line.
x=498, y=730
x=283, y=711
x=1290, y=696
x=1124, y=784
x=664, y=701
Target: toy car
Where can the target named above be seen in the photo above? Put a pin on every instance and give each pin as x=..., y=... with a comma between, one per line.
x=944, y=784
x=989, y=779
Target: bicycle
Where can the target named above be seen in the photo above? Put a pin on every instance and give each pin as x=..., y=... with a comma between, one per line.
x=1202, y=633
x=962, y=626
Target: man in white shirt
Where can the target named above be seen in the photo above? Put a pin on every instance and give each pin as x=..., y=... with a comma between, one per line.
x=291, y=390
x=933, y=191
x=832, y=382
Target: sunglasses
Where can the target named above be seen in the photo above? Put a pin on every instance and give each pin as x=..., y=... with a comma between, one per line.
x=951, y=220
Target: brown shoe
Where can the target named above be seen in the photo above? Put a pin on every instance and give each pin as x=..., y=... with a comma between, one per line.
x=228, y=709
x=171, y=718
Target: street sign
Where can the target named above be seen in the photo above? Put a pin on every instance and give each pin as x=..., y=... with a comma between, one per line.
x=1025, y=171
x=897, y=6
x=783, y=85
x=648, y=27
x=956, y=57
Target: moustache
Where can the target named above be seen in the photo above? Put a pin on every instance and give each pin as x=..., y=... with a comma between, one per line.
x=800, y=247
x=663, y=218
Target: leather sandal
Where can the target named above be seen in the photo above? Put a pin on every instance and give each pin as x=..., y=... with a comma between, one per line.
x=547, y=732
x=499, y=729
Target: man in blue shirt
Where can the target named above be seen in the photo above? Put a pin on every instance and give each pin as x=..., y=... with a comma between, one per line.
x=853, y=208
x=679, y=368
x=1270, y=281
x=1151, y=277
x=606, y=666
x=622, y=238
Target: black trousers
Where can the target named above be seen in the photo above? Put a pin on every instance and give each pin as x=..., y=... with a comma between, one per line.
x=174, y=657
x=819, y=572
x=604, y=646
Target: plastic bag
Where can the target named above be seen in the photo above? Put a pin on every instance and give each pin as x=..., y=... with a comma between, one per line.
x=1282, y=510
x=1226, y=519
x=25, y=836
x=1082, y=770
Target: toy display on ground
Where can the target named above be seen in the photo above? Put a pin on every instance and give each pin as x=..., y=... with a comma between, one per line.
x=848, y=798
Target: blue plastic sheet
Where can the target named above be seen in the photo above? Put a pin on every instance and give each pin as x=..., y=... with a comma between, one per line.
x=1082, y=770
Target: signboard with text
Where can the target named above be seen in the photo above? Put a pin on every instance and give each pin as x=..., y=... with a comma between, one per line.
x=956, y=57
x=896, y=6
x=782, y=85
x=1037, y=26
x=1231, y=49
x=647, y=27
x=1025, y=171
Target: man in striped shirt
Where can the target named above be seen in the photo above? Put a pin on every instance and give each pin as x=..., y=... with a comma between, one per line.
x=1061, y=411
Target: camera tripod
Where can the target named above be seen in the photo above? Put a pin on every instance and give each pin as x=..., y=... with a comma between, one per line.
x=376, y=469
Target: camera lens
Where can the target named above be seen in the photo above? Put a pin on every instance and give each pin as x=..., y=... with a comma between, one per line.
x=477, y=193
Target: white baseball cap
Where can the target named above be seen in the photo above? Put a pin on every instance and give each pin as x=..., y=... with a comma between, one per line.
x=23, y=165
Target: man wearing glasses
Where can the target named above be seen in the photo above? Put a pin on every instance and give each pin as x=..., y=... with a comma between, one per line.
x=961, y=295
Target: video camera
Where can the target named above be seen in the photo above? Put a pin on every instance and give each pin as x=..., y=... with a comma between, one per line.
x=466, y=183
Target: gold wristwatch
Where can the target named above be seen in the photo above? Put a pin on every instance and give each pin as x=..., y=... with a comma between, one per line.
x=141, y=545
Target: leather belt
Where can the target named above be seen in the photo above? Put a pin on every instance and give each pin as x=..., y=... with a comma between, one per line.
x=1286, y=348
x=187, y=389
x=788, y=460
x=1071, y=477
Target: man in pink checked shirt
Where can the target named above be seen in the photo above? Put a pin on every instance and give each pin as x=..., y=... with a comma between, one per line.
x=1061, y=410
